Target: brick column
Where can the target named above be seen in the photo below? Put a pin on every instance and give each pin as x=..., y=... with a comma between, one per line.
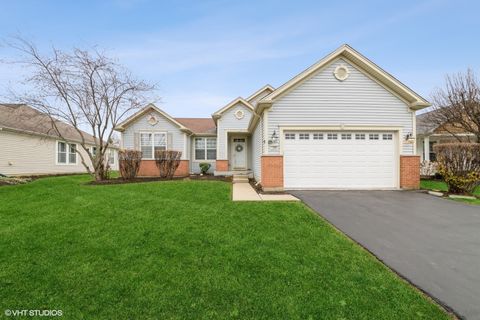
x=221, y=165
x=409, y=172
x=272, y=173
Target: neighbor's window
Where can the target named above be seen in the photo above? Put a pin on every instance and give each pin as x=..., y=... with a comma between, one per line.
x=205, y=148
x=66, y=153
x=151, y=142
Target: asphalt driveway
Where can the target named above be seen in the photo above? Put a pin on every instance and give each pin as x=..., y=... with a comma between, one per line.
x=433, y=242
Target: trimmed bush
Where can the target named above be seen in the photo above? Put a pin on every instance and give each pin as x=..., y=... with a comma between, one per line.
x=204, y=166
x=167, y=162
x=459, y=164
x=129, y=163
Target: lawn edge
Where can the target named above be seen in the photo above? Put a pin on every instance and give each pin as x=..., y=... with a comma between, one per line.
x=442, y=305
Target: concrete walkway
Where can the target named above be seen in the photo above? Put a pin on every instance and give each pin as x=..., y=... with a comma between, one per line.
x=245, y=192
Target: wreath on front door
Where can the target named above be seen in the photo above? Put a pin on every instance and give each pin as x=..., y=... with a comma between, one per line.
x=239, y=148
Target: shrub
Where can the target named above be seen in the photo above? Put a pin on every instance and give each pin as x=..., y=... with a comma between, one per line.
x=428, y=168
x=129, y=163
x=167, y=162
x=459, y=164
x=204, y=166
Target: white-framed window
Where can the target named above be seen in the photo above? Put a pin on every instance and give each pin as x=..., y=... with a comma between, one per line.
x=359, y=136
x=151, y=142
x=373, y=136
x=346, y=136
x=387, y=136
x=66, y=153
x=303, y=136
x=111, y=157
x=289, y=136
x=318, y=136
x=332, y=136
x=93, y=151
x=205, y=148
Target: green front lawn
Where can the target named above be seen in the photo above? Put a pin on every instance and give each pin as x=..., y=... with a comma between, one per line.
x=442, y=186
x=183, y=250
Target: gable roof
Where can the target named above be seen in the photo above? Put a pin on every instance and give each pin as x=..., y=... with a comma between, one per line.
x=240, y=100
x=425, y=127
x=25, y=119
x=199, y=125
x=414, y=100
x=143, y=111
x=266, y=88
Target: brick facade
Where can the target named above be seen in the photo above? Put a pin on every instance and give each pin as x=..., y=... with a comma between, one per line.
x=148, y=168
x=409, y=172
x=272, y=173
x=221, y=165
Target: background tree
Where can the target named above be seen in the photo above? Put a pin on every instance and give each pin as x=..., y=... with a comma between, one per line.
x=85, y=89
x=456, y=107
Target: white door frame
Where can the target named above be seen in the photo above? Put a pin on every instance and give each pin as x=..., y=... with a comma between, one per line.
x=232, y=150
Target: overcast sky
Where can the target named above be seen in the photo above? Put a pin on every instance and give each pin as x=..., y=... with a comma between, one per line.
x=203, y=54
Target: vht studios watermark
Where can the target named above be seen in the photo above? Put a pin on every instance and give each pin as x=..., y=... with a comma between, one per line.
x=33, y=313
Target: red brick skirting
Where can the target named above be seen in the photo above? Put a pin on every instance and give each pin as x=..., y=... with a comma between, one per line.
x=221, y=165
x=272, y=172
x=148, y=168
x=409, y=172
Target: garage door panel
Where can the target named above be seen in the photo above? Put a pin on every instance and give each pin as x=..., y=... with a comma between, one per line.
x=345, y=164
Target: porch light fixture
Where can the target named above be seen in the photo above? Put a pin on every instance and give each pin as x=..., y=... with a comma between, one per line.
x=274, y=139
x=409, y=136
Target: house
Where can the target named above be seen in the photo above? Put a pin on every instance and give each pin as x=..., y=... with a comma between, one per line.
x=29, y=145
x=429, y=134
x=343, y=123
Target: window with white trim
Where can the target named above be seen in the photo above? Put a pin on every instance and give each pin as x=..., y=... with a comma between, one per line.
x=346, y=136
x=111, y=157
x=373, y=136
x=303, y=136
x=289, y=136
x=205, y=148
x=332, y=136
x=151, y=142
x=359, y=136
x=387, y=136
x=318, y=136
x=66, y=153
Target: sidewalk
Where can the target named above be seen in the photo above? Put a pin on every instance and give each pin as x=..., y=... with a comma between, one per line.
x=245, y=192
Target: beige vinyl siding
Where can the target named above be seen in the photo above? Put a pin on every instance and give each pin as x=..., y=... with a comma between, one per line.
x=254, y=101
x=195, y=164
x=323, y=100
x=228, y=122
x=257, y=143
x=163, y=125
x=23, y=154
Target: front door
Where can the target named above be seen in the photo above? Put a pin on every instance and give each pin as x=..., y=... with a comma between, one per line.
x=239, y=153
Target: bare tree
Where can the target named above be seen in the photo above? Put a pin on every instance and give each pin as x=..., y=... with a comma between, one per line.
x=84, y=89
x=456, y=107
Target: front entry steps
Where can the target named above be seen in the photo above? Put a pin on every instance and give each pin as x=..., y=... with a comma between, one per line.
x=240, y=178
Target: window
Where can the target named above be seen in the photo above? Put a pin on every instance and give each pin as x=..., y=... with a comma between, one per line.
x=151, y=142
x=433, y=155
x=387, y=136
x=289, y=136
x=318, y=136
x=346, y=136
x=66, y=153
x=373, y=136
x=359, y=136
x=332, y=136
x=93, y=151
x=111, y=157
x=205, y=148
x=303, y=136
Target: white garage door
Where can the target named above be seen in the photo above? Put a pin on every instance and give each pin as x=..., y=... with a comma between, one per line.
x=339, y=160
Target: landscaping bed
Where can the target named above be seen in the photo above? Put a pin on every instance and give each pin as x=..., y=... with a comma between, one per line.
x=440, y=187
x=120, y=180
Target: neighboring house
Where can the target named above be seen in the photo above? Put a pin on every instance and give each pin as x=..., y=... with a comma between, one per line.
x=343, y=123
x=29, y=145
x=429, y=134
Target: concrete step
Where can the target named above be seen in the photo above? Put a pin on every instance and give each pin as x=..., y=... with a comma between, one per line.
x=240, y=178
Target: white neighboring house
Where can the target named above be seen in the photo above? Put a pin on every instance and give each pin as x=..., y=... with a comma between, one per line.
x=30, y=146
x=343, y=123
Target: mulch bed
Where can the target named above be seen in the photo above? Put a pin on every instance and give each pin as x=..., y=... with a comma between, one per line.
x=154, y=179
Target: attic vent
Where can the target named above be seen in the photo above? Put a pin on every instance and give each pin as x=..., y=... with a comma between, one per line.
x=152, y=120
x=239, y=114
x=341, y=72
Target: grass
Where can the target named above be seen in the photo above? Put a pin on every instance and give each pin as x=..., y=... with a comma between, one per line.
x=442, y=186
x=183, y=250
